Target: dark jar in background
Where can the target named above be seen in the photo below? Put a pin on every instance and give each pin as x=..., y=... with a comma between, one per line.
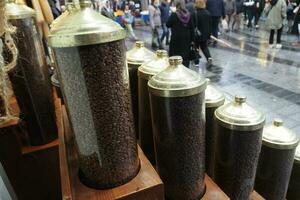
x=93, y=77
x=30, y=77
x=214, y=98
x=178, y=120
x=293, y=192
x=238, y=130
x=135, y=57
x=145, y=72
x=275, y=161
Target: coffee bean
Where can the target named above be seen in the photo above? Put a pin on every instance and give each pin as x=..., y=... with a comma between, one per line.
x=96, y=89
x=179, y=140
x=236, y=161
x=31, y=84
x=273, y=172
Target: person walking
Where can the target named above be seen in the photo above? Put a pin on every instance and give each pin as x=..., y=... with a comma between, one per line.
x=276, y=13
x=182, y=32
x=296, y=25
x=190, y=6
x=216, y=9
x=107, y=11
x=252, y=7
x=165, y=13
x=239, y=9
x=230, y=10
x=202, y=21
x=155, y=23
x=128, y=20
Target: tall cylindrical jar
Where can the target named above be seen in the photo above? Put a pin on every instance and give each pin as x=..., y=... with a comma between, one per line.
x=213, y=99
x=178, y=120
x=238, y=130
x=275, y=161
x=145, y=72
x=135, y=57
x=293, y=192
x=30, y=78
x=93, y=77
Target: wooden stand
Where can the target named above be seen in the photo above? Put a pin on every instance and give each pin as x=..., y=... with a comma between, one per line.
x=32, y=171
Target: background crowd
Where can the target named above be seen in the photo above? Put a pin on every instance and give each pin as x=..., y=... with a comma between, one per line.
x=184, y=26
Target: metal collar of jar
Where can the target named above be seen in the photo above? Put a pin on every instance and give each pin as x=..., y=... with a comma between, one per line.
x=18, y=11
x=279, y=137
x=176, y=81
x=297, y=155
x=138, y=55
x=213, y=97
x=238, y=115
x=153, y=67
x=84, y=26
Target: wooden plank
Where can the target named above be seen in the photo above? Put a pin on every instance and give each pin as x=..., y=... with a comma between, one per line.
x=213, y=192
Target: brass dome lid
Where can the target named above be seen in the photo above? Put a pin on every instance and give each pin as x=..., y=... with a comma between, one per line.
x=297, y=154
x=16, y=10
x=84, y=26
x=279, y=137
x=213, y=97
x=139, y=54
x=153, y=67
x=176, y=81
x=238, y=115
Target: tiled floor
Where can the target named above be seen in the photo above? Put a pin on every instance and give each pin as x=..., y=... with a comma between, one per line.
x=270, y=78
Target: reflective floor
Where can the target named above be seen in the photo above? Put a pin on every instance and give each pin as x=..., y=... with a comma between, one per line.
x=270, y=78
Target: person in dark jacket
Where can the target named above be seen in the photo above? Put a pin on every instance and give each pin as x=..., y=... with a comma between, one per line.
x=216, y=9
x=296, y=25
x=164, y=15
x=182, y=32
x=202, y=21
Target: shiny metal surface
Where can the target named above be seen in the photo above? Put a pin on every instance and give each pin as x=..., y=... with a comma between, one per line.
x=84, y=26
x=213, y=96
x=153, y=67
x=238, y=115
x=297, y=154
x=176, y=80
x=139, y=54
x=18, y=11
x=279, y=137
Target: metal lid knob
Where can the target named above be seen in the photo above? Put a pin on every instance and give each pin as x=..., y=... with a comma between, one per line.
x=277, y=122
x=161, y=53
x=279, y=137
x=175, y=60
x=240, y=99
x=139, y=44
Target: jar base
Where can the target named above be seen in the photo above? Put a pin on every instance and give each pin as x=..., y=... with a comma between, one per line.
x=91, y=184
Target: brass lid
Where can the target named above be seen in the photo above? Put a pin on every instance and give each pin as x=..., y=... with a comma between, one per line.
x=138, y=55
x=176, y=81
x=279, y=137
x=238, y=115
x=213, y=97
x=84, y=26
x=15, y=10
x=153, y=67
x=297, y=154
x=70, y=7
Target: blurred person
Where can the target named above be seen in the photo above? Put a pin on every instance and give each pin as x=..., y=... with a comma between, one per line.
x=238, y=14
x=182, y=32
x=190, y=6
x=296, y=25
x=155, y=23
x=107, y=11
x=230, y=11
x=276, y=13
x=165, y=14
x=202, y=21
x=252, y=7
x=128, y=20
x=216, y=9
